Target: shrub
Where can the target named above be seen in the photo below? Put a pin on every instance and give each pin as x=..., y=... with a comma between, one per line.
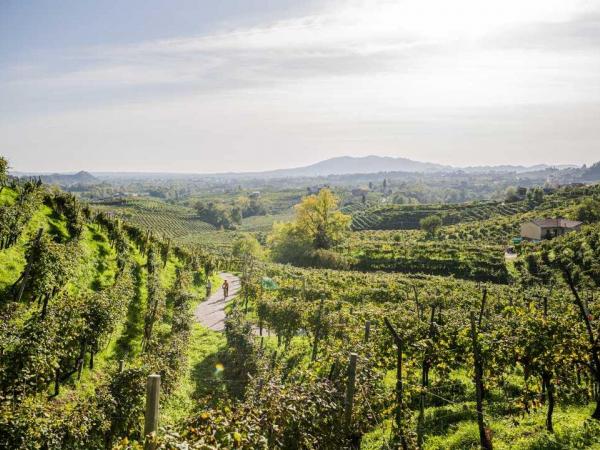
x=431, y=224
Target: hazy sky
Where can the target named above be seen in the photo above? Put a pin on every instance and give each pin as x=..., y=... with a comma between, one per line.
x=206, y=86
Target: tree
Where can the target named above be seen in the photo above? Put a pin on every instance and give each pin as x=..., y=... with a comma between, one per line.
x=247, y=246
x=535, y=196
x=252, y=206
x=3, y=172
x=318, y=227
x=589, y=210
x=288, y=244
x=511, y=195
x=575, y=257
x=319, y=220
x=236, y=215
x=431, y=224
x=219, y=215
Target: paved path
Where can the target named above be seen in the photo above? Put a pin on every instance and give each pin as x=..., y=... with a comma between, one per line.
x=211, y=312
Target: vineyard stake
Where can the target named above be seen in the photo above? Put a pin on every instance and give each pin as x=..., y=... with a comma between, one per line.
x=483, y=435
x=399, y=386
x=121, y=365
x=367, y=330
x=350, y=391
x=151, y=417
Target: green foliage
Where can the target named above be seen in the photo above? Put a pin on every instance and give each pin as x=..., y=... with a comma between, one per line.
x=49, y=266
x=239, y=357
x=319, y=220
x=60, y=329
x=511, y=195
x=431, y=224
x=219, y=215
x=251, y=206
x=14, y=217
x=589, y=210
x=161, y=218
x=318, y=227
x=288, y=244
x=3, y=172
x=287, y=391
x=414, y=252
x=535, y=196
x=68, y=206
x=475, y=217
x=247, y=246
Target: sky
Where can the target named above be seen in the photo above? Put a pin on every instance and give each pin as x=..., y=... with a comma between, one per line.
x=245, y=85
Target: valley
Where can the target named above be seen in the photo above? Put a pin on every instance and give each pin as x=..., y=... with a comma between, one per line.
x=98, y=294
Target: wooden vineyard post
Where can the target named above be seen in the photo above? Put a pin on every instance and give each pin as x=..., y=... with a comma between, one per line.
x=349, y=403
x=483, y=435
x=367, y=330
x=151, y=417
x=399, y=386
x=121, y=365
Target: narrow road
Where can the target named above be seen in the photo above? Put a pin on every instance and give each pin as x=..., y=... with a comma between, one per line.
x=211, y=312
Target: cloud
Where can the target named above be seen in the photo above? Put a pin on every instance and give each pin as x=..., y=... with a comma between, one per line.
x=342, y=41
x=410, y=76
x=579, y=33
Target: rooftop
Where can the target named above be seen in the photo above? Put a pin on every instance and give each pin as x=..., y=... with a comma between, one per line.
x=556, y=223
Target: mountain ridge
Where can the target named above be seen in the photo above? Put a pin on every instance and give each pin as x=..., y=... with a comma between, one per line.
x=62, y=179
x=341, y=165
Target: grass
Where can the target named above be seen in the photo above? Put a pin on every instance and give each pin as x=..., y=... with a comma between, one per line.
x=265, y=223
x=201, y=378
x=459, y=430
x=12, y=260
x=7, y=197
x=201, y=374
x=129, y=342
x=99, y=266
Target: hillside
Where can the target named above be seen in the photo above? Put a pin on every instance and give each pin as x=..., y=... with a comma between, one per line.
x=82, y=178
x=338, y=166
x=408, y=217
x=80, y=292
x=345, y=165
x=93, y=299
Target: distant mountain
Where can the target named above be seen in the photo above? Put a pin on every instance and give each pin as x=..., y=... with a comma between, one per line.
x=347, y=165
x=343, y=165
x=64, y=179
x=516, y=169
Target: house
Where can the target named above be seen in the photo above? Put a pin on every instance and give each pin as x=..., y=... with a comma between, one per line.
x=548, y=228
